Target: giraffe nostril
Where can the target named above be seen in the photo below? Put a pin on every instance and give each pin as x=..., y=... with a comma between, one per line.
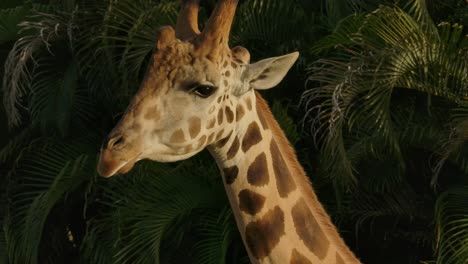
x=114, y=141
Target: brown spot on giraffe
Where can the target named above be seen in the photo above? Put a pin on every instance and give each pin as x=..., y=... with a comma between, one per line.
x=220, y=116
x=188, y=148
x=230, y=174
x=252, y=137
x=239, y=112
x=233, y=149
x=248, y=102
x=264, y=234
x=194, y=126
x=309, y=230
x=257, y=173
x=220, y=134
x=226, y=83
x=229, y=114
x=201, y=141
x=178, y=136
x=223, y=141
x=211, y=123
x=152, y=114
x=219, y=99
x=227, y=73
x=211, y=110
x=251, y=202
x=284, y=180
x=298, y=258
x=233, y=65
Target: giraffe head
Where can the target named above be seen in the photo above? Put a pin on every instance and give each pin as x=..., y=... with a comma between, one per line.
x=188, y=97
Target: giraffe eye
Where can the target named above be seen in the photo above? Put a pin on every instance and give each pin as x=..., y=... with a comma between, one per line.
x=203, y=91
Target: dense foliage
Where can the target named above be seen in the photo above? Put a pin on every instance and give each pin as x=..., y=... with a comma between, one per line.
x=383, y=135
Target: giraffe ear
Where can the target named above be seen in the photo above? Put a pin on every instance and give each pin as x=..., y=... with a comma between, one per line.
x=267, y=73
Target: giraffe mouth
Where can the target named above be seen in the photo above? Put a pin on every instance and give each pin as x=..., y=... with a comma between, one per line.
x=108, y=165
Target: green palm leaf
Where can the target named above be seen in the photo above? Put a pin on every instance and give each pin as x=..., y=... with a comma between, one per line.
x=265, y=26
x=390, y=91
x=128, y=34
x=390, y=51
x=20, y=64
x=53, y=95
x=451, y=218
x=44, y=176
x=148, y=206
x=216, y=235
x=11, y=18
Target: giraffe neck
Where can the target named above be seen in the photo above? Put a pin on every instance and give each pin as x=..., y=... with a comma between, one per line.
x=276, y=209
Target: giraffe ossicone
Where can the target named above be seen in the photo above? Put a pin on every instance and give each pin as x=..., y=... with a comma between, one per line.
x=198, y=93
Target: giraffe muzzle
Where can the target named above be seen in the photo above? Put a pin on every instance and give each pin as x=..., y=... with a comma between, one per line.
x=114, y=158
x=109, y=165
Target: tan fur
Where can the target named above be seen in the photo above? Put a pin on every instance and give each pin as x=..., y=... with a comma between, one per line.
x=304, y=183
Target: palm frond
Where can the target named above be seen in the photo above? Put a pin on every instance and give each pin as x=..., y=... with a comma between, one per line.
x=454, y=147
x=216, y=231
x=10, y=18
x=452, y=222
x=43, y=176
x=131, y=28
x=12, y=149
x=389, y=51
x=52, y=94
x=342, y=35
x=336, y=10
x=143, y=214
x=20, y=62
x=420, y=12
x=89, y=53
x=265, y=24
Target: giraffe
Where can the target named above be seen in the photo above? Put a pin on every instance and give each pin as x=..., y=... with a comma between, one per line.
x=198, y=93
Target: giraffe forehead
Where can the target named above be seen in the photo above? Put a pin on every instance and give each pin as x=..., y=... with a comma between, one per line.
x=180, y=62
x=173, y=56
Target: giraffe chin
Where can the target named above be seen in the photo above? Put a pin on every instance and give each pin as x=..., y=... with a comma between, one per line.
x=126, y=168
